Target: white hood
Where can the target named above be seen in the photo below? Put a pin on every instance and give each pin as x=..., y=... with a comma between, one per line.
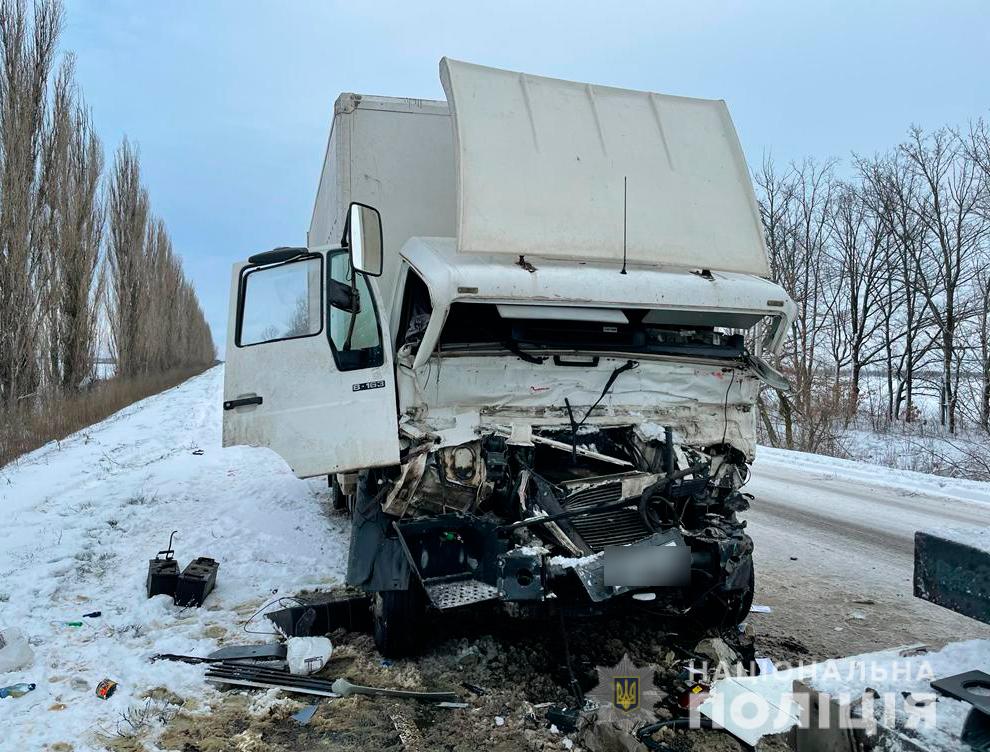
x=541, y=165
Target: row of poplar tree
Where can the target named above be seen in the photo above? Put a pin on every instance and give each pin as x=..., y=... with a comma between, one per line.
x=87, y=271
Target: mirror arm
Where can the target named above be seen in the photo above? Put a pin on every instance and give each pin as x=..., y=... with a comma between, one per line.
x=354, y=310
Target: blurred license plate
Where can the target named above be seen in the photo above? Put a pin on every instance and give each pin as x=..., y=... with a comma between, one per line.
x=647, y=566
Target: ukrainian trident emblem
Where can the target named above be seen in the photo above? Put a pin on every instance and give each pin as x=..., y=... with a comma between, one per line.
x=626, y=692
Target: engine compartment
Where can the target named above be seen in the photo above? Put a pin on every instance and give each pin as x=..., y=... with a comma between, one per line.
x=530, y=514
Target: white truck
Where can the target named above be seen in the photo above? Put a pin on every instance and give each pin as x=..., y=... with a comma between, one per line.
x=524, y=342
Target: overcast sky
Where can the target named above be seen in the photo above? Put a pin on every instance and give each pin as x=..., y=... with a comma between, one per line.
x=231, y=101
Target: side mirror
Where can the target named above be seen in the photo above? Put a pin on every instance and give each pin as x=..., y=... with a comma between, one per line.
x=363, y=236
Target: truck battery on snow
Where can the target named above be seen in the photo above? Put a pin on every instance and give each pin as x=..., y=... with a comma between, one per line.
x=163, y=573
x=196, y=582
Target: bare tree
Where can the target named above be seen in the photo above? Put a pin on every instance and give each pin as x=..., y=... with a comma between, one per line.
x=72, y=166
x=128, y=221
x=27, y=50
x=860, y=251
x=949, y=210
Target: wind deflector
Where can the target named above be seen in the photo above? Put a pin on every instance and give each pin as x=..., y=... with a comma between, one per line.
x=541, y=163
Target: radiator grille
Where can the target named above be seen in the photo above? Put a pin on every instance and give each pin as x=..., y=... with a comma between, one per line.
x=610, y=528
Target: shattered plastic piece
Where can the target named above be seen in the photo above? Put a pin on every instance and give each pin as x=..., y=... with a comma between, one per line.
x=730, y=692
x=305, y=715
x=758, y=609
x=766, y=666
x=562, y=718
x=307, y=655
x=15, y=653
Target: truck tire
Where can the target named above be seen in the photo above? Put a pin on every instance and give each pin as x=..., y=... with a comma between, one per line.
x=397, y=616
x=337, y=495
x=724, y=608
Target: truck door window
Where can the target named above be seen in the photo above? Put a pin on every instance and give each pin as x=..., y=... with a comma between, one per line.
x=281, y=302
x=354, y=329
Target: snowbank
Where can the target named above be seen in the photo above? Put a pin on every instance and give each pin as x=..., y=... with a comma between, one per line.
x=832, y=467
x=83, y=516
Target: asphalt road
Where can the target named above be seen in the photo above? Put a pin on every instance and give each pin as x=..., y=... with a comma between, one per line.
x=834, y=558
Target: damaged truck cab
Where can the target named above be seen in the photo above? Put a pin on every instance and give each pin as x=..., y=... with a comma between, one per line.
x=531, y=359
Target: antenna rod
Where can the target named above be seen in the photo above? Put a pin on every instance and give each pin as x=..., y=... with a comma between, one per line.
x=625, y=180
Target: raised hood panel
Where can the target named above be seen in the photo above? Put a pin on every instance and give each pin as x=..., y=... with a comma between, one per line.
x=541, y=163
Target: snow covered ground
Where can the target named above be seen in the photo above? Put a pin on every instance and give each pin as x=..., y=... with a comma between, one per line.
x=82, y=518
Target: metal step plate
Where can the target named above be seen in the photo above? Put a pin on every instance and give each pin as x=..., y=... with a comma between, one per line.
x=446, y=595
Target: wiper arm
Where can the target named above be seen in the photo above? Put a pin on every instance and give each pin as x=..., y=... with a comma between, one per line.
x=627, y=366
x=513, y=347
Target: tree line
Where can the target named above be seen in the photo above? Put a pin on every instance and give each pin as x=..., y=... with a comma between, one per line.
x=87, y=270
x=888, y=261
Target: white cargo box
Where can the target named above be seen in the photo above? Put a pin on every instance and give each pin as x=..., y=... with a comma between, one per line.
x=397, y=155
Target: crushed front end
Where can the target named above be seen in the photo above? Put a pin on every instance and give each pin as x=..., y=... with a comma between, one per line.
x=550, y=515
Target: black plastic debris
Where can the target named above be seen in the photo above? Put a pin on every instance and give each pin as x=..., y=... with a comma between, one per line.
x=196, y=582
x=565, y=719
x=958, y=552
x=163, y=573
x=323, y=613
x=269, y=651
x=972, y=687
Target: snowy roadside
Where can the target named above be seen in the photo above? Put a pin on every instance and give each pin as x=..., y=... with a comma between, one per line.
x=81, y=520
x=829, y=468
x=84, y=516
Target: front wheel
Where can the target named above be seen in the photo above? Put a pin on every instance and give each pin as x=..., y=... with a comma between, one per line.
x=397, y=616
x=720, y=609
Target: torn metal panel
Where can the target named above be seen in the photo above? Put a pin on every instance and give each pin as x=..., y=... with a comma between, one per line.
x=400, y=495
x=510, y=432
x=703, y=402
x=520, y=576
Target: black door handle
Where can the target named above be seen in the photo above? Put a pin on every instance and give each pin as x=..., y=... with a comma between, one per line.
x=231, y=404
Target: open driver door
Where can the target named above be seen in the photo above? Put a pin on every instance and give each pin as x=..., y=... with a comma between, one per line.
x=309, y=371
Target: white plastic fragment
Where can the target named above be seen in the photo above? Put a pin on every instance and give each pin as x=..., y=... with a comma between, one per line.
x=15, y=653
x=307, y=655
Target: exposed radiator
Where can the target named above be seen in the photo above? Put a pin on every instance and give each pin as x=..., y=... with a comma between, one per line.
x=610, y=528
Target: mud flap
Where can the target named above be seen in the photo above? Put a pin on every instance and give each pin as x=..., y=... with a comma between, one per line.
x=375, y=560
